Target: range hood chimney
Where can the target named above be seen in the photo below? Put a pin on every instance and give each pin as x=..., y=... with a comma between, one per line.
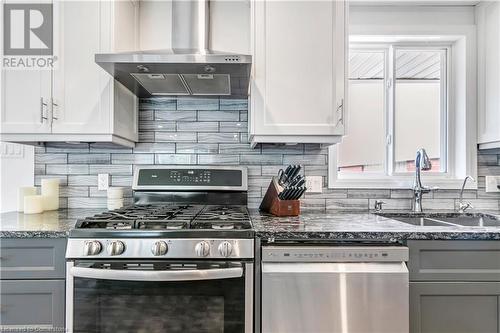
x=189, y=68
x=190, y=25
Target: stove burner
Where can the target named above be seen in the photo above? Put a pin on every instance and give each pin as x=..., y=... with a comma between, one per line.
x=152, y=224
x=119, y=225
x=223, y=226
x=175, y=226
x=170, y=217
x=233, y=213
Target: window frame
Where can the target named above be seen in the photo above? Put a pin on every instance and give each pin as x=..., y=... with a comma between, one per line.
x=391, y=179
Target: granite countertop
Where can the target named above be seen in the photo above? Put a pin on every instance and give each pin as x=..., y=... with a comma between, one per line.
x=357, y=226
x=51, y=224
x=310, y=225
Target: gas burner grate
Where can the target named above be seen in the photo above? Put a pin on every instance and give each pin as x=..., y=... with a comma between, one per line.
x=170, y=217
x=113, y=224
x=224, y=213
x=222, y=226
x=161, y=225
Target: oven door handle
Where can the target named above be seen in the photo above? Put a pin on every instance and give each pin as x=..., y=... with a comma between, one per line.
x=174, y=275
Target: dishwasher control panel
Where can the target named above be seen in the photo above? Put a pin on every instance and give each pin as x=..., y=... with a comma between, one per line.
x=334, y=254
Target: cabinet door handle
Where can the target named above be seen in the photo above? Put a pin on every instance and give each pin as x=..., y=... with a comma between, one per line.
x=54, y=104
x=340, y=109
x=42, y=115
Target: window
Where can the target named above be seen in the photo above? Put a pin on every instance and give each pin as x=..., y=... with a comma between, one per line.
x=398, y=101
x=420, y=107
x=363, y=149
x=398, y=116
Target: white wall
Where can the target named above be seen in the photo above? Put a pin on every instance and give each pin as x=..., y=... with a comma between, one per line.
x=230, y=25
x=155, y=25
x=16, y=170
x=411, y=15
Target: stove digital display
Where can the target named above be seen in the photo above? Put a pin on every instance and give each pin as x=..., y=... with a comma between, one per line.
x=189, y=177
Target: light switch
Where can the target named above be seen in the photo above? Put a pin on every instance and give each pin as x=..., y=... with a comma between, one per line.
x=102, y=181
x=314, y=184
x=492, y=183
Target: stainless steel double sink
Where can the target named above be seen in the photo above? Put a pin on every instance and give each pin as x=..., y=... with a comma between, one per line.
x=445, y=219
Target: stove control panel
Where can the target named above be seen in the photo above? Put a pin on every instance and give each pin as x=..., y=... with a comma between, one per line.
x=195, y=177
x=190, y=176
x=154, y=248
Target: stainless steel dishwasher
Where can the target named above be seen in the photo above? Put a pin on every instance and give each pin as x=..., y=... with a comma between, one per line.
x=344, y=289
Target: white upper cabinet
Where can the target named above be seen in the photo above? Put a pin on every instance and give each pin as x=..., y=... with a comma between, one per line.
x=488, y=20
x=80, y=100
x=76, y=88
x=299, y=62
x=25, y=101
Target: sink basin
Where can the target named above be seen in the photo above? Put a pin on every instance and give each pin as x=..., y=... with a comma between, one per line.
x=473, y=221
x=445, y=219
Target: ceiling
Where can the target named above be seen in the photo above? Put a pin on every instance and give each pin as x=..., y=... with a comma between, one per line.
x=413, y=3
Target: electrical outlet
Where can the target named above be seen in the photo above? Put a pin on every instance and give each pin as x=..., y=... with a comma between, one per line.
x=314, y=184
x=102, y=181
x=492, y=183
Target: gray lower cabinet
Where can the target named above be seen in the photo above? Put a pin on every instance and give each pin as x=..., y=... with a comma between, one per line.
x=454, y=307
x=454, y=260
x=454, y=286
x=28, y=258
x=32, y=285
x=32, y=304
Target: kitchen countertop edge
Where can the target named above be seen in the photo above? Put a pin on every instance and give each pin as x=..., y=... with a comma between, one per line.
x=308, y=226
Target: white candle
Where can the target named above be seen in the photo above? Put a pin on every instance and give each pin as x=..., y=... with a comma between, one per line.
x=50, y=202
x=21, y=193
x=33, y=204
x=50, y=193
x=50, y=187
x=115, y=193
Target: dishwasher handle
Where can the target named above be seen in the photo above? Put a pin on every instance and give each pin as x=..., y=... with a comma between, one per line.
x=335, y=268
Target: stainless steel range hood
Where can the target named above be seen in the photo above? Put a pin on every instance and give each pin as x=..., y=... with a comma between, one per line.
x=190, y=68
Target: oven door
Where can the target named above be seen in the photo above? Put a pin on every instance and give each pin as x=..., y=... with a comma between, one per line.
x=159, y=296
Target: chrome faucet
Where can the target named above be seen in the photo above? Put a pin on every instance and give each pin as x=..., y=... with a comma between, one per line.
x=463, y=206
x=422, y=162
x=378, y=205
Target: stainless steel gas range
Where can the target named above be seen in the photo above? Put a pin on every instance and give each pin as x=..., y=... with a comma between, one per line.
x=179, y=260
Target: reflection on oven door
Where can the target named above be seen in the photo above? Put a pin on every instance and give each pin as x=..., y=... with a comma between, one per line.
x=158, y=297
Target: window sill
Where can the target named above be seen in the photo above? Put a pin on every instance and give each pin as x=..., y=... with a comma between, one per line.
x=400, y=183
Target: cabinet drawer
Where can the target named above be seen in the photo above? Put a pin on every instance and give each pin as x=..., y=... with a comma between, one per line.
x=454, y=260
x=36, y=306
x=32, y=258
x=454, y=307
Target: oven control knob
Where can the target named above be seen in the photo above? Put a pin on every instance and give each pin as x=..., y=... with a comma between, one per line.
x=225, y=249
x=160, y=248
x=202, y=249
x=116, y=248
x=92, y=248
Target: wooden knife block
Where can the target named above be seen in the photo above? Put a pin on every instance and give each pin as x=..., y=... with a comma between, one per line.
x=274, y=205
